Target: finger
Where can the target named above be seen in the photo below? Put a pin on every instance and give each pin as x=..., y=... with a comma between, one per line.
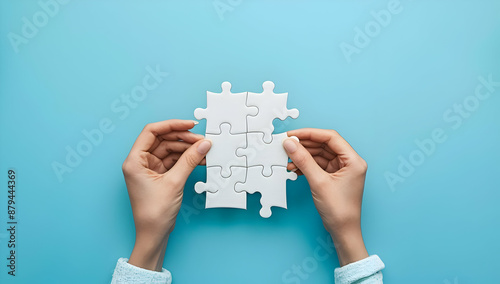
x=312, y=144
x=330, y=166
x=322, y=162
x=186, y=136
x=293, y=168
x=320, y=156
x=167, y=147
x=321, y=152
x=329, y=137
x=191, y=158
x=147, y=139
x=154, y=164
x=170, y=160
x=303, y=159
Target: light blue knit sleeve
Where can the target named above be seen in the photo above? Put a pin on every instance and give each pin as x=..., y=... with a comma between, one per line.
x=365, y=271
x=126, y=273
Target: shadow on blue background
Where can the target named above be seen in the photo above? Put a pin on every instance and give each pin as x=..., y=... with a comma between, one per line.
x=436, y=223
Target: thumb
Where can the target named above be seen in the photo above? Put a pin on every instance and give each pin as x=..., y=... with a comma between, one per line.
x=303, y=159
x=190, y=159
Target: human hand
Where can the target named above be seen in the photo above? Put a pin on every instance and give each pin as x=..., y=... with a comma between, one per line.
x=156, y=169
x=336, y=175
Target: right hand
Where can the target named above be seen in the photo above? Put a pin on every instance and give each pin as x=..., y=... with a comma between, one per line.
x=336, y=175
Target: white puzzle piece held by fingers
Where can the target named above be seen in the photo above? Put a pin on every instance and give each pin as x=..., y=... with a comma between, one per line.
x=244, y=153
x=272, y=188
x=259, y=153
x=270, y=106
x=223, y=151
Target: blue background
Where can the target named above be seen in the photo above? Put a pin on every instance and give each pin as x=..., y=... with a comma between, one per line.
x=439, y=225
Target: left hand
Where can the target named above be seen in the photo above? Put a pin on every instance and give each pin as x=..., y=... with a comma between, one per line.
x=156, y=169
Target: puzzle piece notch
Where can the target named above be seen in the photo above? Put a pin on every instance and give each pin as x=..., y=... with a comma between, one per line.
x=224, y=105
x=259, y=153
x=270, y=106
x=223, y=151
x=272, y=189
x=220, y=191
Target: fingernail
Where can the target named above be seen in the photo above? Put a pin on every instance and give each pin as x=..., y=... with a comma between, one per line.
x=195, y=122
x=204, y=147
x=289, y=145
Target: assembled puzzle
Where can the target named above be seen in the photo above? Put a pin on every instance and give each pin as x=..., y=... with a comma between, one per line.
x=246, y=156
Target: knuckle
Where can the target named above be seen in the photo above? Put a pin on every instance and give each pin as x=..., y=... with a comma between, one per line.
x=147, y=127
x=361, y=165
x=126, y=167
x=143, y=156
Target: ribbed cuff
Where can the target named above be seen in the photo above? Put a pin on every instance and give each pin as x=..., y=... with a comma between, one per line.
x=127, y=273
x=358, y=270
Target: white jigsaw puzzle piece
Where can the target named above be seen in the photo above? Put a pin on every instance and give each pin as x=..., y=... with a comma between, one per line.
x=220, y=191
x=272, y=189
x=259, y=153
x=226, y=107
x=270, y=106
x=245, y=157
x=223, y=151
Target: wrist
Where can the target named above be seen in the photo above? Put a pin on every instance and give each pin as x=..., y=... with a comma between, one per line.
x=148, y=252
x=349, y=245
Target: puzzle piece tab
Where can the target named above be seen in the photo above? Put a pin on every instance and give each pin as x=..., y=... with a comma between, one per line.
x=223, y=151
x=272, y=189
x=245, y=157
x=226, y=107
x=270, y=106
x=259, y=153
x=220, y=190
